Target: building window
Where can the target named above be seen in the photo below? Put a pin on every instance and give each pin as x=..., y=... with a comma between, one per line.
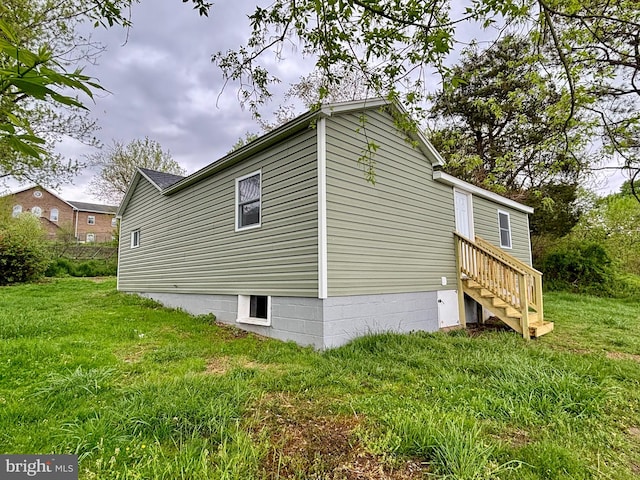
x=53, y=216
x=254, y=309
x=135, y=239
x=114, y=222
x=37, y=211
x=17, y=210
x=248, y=200
x=37, y=194
x=91, y=219
x=504, y=224
x=91, y=237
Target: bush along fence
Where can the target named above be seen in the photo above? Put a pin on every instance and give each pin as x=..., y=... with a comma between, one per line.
x=82, y=260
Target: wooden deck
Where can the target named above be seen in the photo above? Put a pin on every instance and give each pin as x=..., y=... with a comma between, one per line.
x=502, y=284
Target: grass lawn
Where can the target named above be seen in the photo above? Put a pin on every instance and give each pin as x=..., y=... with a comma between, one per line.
x=143, y=392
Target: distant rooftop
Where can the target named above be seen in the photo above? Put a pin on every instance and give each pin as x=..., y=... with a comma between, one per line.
x=93, y=207
x=161, y=179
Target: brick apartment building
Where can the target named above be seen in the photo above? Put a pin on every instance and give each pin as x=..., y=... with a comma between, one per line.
x=79, y=221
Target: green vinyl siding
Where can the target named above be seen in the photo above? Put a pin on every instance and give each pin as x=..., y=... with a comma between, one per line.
x=391, y=237
x=485, y=222
x=188, y=242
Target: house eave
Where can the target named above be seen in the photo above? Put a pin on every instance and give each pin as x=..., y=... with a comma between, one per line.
x=246, y=151
x=447, y=179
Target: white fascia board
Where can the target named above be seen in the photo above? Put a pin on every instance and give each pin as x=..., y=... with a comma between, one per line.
x=480, y=192
x=132, y=186
x=358, y=105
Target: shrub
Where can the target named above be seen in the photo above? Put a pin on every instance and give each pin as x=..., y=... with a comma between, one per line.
x=23, y=252
x=578, y=266
x=63, y=267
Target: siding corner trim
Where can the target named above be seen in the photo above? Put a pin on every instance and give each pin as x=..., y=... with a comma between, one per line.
x=321, y=128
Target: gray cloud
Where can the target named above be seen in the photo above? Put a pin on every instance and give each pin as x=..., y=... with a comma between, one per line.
x=163, y=85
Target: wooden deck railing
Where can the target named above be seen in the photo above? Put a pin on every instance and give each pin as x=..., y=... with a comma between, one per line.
x=533, y=276
x=506, y=277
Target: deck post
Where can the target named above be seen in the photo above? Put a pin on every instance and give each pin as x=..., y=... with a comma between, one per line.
x=462, y=316
x=524, y=306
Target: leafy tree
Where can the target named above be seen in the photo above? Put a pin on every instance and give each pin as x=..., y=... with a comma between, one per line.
x=41, y=53
x=591, y=49
x=614, y=222
x=118, y=164
x=502, y=126
x=242, y=141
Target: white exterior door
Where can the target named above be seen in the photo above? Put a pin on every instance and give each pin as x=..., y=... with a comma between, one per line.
x=463, y=213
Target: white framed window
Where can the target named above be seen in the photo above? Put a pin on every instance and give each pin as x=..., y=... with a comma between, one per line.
x=504, y=226
x=135, y=238
x=37, y=211
x=53, y=215
x=114, y=222
x=248, y=201
x=91, y=237
x=17, y=210
x=254, y=309
x=91, y=219
x=37, y=194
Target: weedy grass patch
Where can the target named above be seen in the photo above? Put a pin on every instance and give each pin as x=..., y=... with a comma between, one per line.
x=139, y=391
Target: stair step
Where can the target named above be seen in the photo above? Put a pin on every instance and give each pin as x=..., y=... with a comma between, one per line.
x=472, y=283
x=486, y=293
x=538, y=329
x=498, y=302
x=512, y=312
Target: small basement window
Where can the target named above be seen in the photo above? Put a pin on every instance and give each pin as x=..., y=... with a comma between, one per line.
x=504, y=224
x=254, y=309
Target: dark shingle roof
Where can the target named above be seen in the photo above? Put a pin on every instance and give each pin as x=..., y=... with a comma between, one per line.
x=93, y=207
x=161, y=179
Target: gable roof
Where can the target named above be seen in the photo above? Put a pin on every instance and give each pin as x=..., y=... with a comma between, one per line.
x=82, y=206
x=299, y=123
x=161, y=180
x=92, y=207
x=168, y=184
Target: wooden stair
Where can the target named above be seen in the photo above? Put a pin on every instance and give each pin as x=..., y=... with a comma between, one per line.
x=506, y=313
x=502, y=284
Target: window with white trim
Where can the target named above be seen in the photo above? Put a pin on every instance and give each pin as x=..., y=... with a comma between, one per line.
x=91, y=220
x=114, y=222
x=135, y=238
x=91, y=237
x=53, y=215
x=254, y=309
x=248, y=201
x=17, y=210
x=504, y=225
x=37, y=211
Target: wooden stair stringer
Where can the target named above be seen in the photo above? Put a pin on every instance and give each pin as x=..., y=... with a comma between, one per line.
x=500, y=312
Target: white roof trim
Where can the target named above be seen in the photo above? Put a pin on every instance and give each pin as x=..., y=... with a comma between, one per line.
x=480, y=192
x=148, y=179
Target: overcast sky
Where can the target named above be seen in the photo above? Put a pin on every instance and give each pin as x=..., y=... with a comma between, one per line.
x=163, y=85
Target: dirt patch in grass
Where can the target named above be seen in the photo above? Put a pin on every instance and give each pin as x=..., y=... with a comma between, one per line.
x=623, y=356
x=221, y=365
x=492, y=324
x=308, y=443
x=516, y=438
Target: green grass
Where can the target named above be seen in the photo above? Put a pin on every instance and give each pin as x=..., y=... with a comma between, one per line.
x=142, y=392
